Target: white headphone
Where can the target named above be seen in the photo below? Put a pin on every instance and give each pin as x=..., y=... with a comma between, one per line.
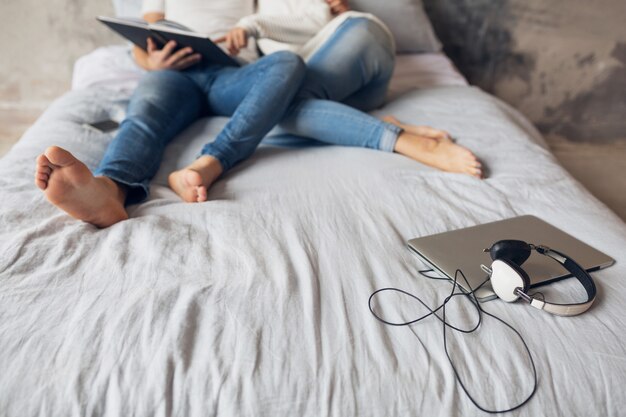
x=510, y=282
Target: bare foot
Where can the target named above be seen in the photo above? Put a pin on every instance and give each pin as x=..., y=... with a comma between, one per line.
x=427, y=131
x=69, y=185
x=191, y=183
x=442, y=154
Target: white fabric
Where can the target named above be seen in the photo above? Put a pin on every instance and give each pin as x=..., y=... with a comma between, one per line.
x=108, y=67
x=208, y=17
x=299, y=26
x=406, y=19
x=127, y=8
x=255, y=303
x=213, y=18
x=290, y=21
x=113, y=68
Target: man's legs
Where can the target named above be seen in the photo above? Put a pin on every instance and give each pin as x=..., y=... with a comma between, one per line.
x=256, y=98
x=164, y=103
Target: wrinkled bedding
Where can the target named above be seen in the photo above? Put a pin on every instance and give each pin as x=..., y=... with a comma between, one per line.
x=255, y=302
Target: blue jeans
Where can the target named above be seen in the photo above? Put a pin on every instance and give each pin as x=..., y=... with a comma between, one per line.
x=354, y=66
x=350, y=71
x=255, y=96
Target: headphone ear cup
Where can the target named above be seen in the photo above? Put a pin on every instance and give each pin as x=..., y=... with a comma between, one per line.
x=516, y=251
x=506, y=278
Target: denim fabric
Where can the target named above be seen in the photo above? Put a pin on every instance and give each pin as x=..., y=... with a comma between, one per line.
x=354, y=66
x=350, y=71
x=255, y=96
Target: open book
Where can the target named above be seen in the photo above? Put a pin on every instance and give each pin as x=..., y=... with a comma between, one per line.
x=138, y=31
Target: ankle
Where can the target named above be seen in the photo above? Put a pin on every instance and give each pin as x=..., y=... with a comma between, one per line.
x=117, y=190
x=208, y=167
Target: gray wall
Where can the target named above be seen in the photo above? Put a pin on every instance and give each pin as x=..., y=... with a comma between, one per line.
x=39, y=42
x=561, y=62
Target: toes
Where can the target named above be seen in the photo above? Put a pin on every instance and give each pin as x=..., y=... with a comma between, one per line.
x=202, y=194
x=43, y=161
x=59, y=156
x=475, y=168
x=40, y=183
x=391, y=119
x=475, y=171
x=44, y=169
x=191, y=195
x=42, y=172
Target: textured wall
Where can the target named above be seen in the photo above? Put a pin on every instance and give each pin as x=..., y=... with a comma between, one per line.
x=561, y=62
x=40, y=40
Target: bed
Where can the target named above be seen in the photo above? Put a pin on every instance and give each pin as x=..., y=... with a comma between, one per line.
x=255, y=303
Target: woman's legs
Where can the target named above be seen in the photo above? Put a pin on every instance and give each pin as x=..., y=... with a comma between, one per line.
x=354, y=66
x=256, y=98
x=338, y=124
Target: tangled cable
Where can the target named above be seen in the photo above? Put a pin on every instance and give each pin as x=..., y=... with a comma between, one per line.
x=471, y=296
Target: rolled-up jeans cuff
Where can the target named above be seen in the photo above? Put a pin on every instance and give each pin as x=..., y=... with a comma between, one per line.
x=389, y=137
x=221, y=155
x=136, y=192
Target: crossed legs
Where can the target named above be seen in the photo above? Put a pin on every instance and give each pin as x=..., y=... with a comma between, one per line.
x=164, y=104
x=349, y=75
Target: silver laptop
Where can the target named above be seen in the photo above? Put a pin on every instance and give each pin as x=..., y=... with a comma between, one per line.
x=463, y=249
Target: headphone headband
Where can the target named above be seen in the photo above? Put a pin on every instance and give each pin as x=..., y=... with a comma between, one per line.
x=510, y=251
x=577, y=271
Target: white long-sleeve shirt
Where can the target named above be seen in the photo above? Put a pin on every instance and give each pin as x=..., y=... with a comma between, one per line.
x=300, y=26
x=211, y=17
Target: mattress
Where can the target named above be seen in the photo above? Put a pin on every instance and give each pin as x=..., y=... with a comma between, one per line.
x=255, y=303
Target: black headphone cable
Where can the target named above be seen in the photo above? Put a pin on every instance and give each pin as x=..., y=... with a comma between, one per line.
x=471, y=296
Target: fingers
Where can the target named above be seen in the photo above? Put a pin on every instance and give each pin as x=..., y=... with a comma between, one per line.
x=168, y=49
x=338, y=6
x=151, y=45
x=235, y=40
x=177, y=56
x=187, y=62
x=242, y=39
x=231, y=44
x=335, y=4
x=235, y=43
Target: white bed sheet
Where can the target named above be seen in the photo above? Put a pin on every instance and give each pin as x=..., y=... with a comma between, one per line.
x=255, y=303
